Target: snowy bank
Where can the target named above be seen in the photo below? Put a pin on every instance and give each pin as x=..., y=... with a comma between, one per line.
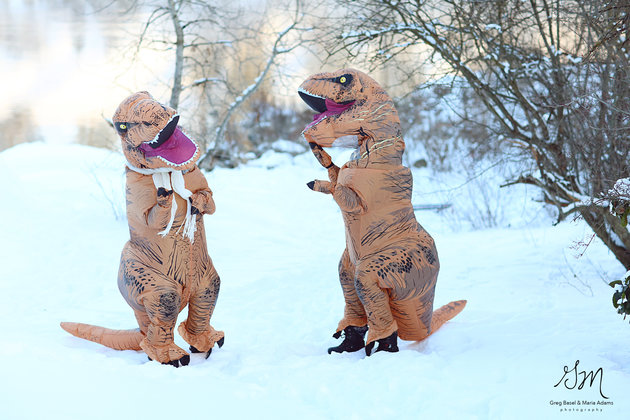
x=533, y=308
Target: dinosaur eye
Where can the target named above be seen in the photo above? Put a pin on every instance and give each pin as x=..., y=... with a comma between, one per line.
x=344, y=80
x=121, y=127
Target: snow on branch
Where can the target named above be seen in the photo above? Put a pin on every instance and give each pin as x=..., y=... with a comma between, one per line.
x=257, y=82
x=279, y=48
x=204, y=81
x=394, y=28
x=618, y=198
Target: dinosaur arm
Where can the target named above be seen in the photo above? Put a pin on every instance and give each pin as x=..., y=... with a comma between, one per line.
x=202, y=194
x=145, y=205
x=203, y=201
x=321, y=186
x=347, y=199
x=325, y=160
x=158, y=216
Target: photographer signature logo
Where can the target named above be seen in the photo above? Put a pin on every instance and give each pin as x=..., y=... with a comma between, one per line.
x=573, y=378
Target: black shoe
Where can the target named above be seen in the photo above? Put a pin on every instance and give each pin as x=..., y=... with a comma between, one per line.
x=353, y=339
x=389, y=344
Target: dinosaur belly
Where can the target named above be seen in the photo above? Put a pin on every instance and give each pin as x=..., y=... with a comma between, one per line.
x=389, y=216
x=151, y=259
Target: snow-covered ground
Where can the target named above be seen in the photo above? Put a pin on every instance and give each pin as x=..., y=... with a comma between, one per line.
x=533, y=307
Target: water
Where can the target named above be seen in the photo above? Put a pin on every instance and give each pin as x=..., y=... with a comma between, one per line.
x=64, y=67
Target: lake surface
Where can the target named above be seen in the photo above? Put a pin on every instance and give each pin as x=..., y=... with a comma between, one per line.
x=64, y=67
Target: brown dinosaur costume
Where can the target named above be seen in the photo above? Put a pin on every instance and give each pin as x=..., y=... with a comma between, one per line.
x=390, y=265
x=165, y=265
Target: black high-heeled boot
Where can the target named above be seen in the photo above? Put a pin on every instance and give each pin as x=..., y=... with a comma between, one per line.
x=389, y=344
x=353, y=339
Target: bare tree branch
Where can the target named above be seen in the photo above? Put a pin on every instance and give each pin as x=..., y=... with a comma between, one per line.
x=525, y=62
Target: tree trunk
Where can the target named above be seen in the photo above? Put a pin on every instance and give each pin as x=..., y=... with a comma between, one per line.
x=179, y=56
x=608, y=228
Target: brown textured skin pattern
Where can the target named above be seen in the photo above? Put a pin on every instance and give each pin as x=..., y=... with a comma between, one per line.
x=389, y=268
x=159, y=276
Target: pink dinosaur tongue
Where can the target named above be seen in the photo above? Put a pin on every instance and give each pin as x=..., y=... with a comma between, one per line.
x=177, y=149
x=332, y=108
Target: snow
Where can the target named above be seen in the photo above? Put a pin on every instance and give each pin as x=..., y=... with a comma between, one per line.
x=494, y=26
x=533, y=308
x=621, y=189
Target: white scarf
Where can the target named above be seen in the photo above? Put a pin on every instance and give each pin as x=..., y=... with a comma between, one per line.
x=170, y=179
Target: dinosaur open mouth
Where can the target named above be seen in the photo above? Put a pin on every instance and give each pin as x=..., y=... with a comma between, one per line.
x=171, y=145
x=324, y=106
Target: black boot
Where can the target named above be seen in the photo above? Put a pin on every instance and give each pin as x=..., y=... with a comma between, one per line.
x=353, y=339
x=389, y=344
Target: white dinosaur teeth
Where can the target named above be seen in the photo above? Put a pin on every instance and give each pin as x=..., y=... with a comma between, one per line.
x=155, y=139
x=309, y=93
x=183, y=163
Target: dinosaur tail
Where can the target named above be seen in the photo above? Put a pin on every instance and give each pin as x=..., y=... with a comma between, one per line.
x=115, y=339
x=445, y=313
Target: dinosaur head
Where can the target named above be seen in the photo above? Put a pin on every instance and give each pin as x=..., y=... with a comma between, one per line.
x=150, y=136
x=349, y=104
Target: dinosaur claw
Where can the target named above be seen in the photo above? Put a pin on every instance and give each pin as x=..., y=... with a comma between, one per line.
x=219, y=343
x=311, y=185
x=194, y=349
x=179, y=362
x=163, y=192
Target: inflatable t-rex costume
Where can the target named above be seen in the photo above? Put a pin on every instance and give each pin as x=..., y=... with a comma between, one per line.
x=165, y=265
x=389, y=268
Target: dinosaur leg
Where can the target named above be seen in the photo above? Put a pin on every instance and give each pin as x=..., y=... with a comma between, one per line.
x=143, y=320
x=414, y=317
x=375, y=300
x=354, y=312
x=410, y=275
x=162, y=307
x=156, y=301
x=353, y=325
x=196, y=329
